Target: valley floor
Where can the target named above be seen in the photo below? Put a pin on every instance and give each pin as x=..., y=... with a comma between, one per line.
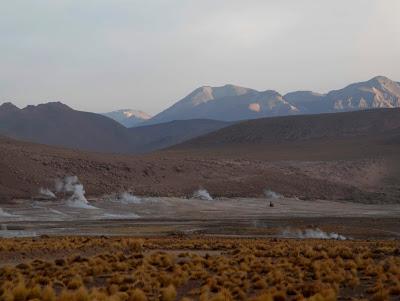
x=223, y=217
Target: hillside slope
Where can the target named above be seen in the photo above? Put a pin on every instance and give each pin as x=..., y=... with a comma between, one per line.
x=59, y=125
x=153, y=137
x=357, y=160
x=287, y=129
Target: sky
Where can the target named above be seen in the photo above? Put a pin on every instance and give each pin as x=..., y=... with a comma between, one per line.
x=104, y=55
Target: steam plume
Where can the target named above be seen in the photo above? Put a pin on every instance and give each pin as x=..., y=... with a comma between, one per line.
x=47, y=193
x=269, y=194
x=312, y=233
x=202, y=194
x=76, y=194
x=127, y=198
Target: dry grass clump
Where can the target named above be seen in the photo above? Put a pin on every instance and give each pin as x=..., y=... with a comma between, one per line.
x=130, y=269
x=137, y=295
x=168, y=293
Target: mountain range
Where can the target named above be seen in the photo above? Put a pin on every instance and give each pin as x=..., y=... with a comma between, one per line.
x=233, y=103
x=203, y=111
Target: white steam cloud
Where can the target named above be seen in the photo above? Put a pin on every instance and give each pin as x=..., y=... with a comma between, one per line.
x=127, y=198
x=202, y=194
x=312, y=233
x=47, y=193
x=272, y=195
x=76, y=194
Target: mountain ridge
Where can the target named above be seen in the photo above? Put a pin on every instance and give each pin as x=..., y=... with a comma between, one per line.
x=232, y=103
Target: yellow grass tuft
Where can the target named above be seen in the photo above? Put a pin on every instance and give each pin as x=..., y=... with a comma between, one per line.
x=137, y=295
x=48, y=294
x=168, y=293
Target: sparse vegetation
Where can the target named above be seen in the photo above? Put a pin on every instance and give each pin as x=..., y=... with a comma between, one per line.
x=198, y=268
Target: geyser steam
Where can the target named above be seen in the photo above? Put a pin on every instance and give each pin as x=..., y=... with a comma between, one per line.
x=47, y=193
x=202, y=194
x=312, y=233
x=127, y=198
x=76, y=194
x=272, y=195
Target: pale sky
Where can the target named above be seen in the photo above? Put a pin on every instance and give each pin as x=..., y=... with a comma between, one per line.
x=103, y=55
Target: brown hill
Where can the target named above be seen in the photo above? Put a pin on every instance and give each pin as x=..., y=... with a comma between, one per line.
x=59, y=125
x=377, y=124
x=153, y=137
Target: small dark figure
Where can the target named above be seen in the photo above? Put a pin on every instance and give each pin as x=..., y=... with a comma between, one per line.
x=271, y=204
